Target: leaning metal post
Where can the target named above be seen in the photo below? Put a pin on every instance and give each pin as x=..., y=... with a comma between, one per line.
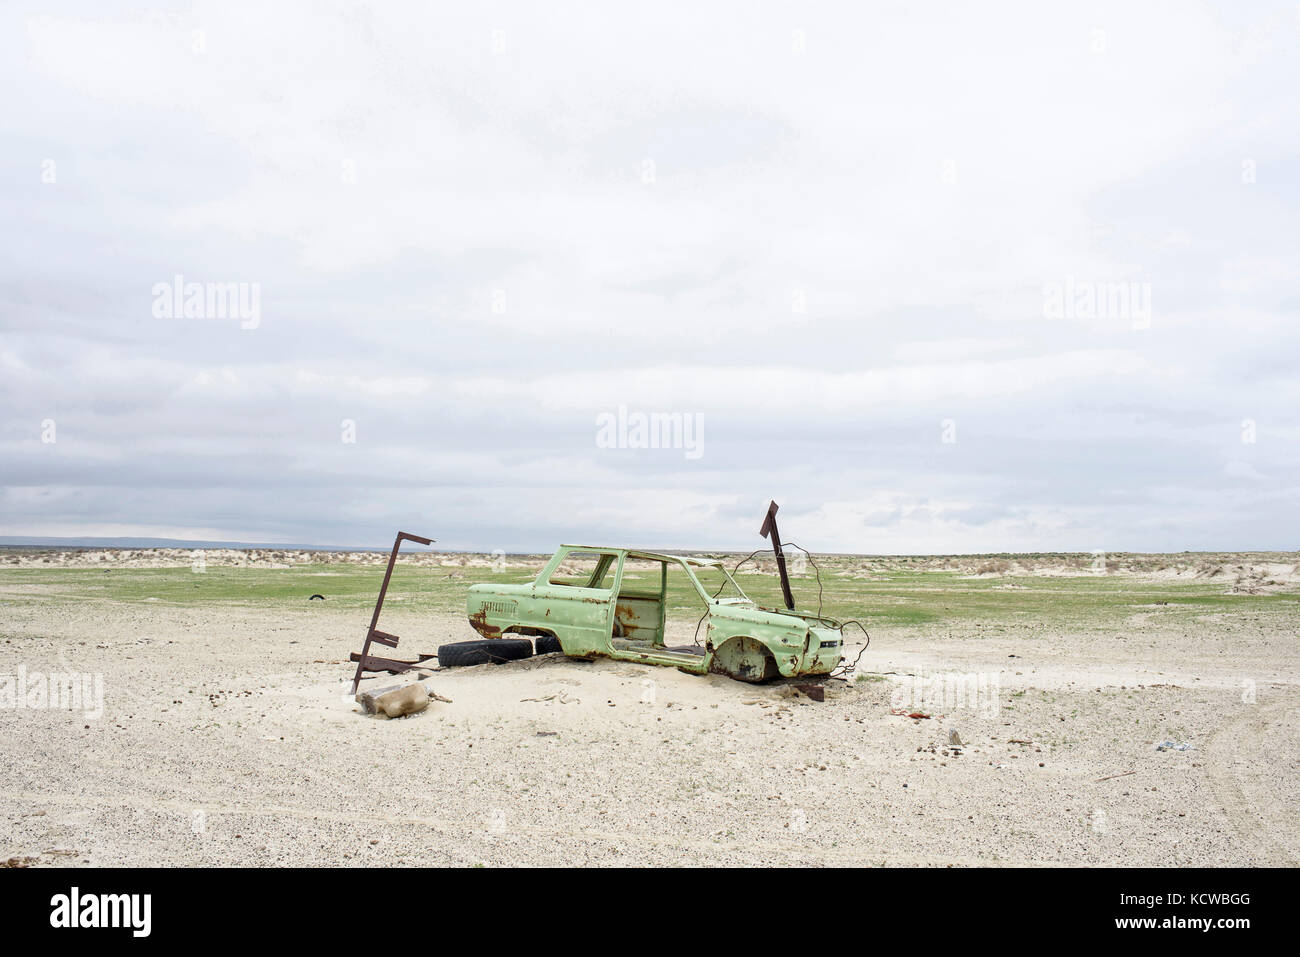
x=366, y=661
x=769, y=528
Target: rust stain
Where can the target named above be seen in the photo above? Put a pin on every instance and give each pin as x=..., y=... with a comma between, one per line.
x=479, y=622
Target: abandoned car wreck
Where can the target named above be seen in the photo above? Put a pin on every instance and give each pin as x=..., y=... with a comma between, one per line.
x=620, y=609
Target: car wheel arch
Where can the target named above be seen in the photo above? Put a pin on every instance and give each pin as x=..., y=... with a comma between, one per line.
x=744, y=658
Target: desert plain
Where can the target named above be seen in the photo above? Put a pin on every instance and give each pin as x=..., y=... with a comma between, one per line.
x=1112, y=710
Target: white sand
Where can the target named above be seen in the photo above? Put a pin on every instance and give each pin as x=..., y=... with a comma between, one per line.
x=228, y=738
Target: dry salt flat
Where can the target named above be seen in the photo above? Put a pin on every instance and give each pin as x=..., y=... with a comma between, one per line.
x=228, y=737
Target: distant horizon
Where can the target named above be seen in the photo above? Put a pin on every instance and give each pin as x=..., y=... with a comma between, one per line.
x=122, y=542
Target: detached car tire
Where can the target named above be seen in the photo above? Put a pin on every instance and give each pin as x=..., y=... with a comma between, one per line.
x=458, y=654
x=548, y=644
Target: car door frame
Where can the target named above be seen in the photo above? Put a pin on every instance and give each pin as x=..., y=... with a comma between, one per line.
x=546, y=591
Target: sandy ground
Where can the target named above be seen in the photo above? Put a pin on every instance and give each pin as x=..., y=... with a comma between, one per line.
x=228, y=738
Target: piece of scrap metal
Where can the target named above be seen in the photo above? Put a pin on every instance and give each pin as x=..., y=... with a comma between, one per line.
x=769, y=528
x=365, y=660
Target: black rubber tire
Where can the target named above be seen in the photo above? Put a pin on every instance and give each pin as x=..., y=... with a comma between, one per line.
x=548, y=644
x=458, y=654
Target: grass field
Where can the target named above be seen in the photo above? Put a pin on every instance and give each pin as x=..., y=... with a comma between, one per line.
x=896, y=599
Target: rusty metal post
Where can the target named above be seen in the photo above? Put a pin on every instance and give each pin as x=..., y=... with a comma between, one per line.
x=365, y=661
x=769, y=529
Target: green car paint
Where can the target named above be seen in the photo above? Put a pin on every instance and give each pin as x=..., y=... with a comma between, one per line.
x=601, y=617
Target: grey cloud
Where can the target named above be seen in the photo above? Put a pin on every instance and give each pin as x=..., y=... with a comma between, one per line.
x=799, y=274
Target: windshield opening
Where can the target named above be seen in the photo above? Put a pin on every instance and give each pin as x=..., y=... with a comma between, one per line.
x=717, y=583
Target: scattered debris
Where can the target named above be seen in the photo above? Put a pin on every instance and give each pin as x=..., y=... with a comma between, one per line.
x=395, y=701
x=813, y=691
x=1111, y=777
x=365, y=660
x=954, y=739
x=548, y=734
x=1170, y=746
x=558, y=696
x=908, y=714
x=367, y=698
x=314, y=597
x=409, y=700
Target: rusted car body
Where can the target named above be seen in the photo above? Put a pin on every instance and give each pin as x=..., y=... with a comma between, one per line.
x=612, y=612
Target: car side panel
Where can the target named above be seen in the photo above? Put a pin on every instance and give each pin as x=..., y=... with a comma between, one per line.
x=579, y=617
x=785, y=637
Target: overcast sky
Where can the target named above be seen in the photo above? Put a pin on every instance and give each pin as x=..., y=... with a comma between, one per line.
x=853, y=244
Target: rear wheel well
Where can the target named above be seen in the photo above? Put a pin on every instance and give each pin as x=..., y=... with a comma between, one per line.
x=545, y=641
x=528, y=630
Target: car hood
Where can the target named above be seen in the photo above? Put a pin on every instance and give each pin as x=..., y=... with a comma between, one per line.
x=739, y=610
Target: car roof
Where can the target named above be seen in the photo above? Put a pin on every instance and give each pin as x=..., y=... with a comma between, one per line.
x=653, y=556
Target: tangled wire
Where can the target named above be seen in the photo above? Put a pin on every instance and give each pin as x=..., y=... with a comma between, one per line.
x=845, y=669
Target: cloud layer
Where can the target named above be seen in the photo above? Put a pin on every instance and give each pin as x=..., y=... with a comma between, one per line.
x=828, y=234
